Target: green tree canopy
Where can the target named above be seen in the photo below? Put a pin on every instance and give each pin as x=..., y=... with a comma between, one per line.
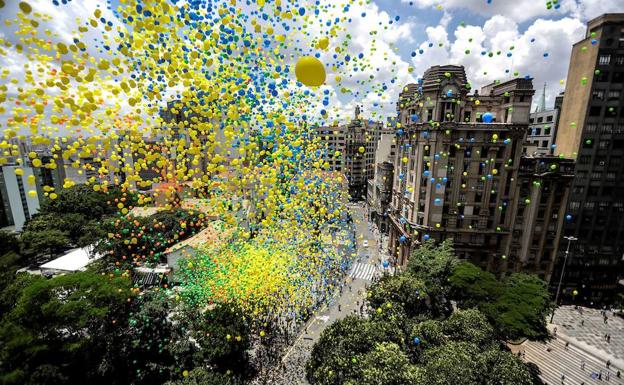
x=55, y=328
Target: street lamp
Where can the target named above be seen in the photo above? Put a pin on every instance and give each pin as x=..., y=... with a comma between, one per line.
x=565, y=260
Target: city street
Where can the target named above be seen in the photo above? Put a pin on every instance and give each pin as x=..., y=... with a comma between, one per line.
x=366, y=265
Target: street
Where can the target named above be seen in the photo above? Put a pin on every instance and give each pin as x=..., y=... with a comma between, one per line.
x=366, y=265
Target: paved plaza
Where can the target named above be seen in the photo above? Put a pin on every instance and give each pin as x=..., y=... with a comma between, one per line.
x=579, y=350
x=586, y=328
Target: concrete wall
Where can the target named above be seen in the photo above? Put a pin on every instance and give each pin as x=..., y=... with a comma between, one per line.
x=577, y=96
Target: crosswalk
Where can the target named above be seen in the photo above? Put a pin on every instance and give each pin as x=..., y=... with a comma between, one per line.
x=362, y=271
x=550, y=365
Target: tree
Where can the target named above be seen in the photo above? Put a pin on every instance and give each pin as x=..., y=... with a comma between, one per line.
x=56, y=326
x=469, y=326
x=204, y=376
x=402, y=293
x=346, y=343
x=517, y=306
x=45, y=242
x=387, y=364
x=503, y=368
x=471, y=285
x=521, y=310
x=453, y=363
x=223, y=334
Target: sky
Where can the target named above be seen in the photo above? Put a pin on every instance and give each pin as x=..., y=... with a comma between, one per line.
x=524, y=37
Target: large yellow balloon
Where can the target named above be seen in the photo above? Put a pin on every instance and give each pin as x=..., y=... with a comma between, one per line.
x=310, y=71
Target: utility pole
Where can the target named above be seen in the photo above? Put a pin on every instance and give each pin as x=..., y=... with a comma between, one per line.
x=565, y=260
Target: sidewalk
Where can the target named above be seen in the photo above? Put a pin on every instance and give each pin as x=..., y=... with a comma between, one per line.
x=587, y=331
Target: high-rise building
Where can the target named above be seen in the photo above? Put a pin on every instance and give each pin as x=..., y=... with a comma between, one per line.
x=351, y=150
x=459, y=174
x=379, y=189
x=591, y=129
x=17, y=204
x=541, y=136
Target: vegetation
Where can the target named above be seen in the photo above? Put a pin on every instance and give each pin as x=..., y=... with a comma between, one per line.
x=517, y=306
x=71, y=220
x=88, y=328
x=413, y=337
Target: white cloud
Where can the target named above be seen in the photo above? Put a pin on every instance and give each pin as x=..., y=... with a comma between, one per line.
x=518, y=10
x=500, y=34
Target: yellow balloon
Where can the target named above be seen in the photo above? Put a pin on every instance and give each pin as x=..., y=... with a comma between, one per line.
x=323, y=43
x=310, y=71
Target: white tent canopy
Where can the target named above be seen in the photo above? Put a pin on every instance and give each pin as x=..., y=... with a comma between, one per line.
x=74, y=260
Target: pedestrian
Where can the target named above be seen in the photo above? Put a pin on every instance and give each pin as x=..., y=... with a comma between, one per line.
x=555, y=331
x=562, y=378
x=582, y=364
x=339, y=308
x=608, y=376
x=566, y=345
x=608, y=363
x=618, y=374
x=605, y=336
x=608, y=338
x=600, y=375
x=582, y=322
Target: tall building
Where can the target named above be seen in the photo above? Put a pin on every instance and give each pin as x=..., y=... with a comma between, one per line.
x=17, y=204
x=591, y=129
x=351, y=150
x=541, y=135
x=379, y=188
x=459, y=174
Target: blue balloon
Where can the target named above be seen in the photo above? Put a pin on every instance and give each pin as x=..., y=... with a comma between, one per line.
x=416, y=341
x=426, y=237
x=569, y=217
x=386, y=264
x=402, y=238
x=437, y=201
x=414, y=118
x=487, y=117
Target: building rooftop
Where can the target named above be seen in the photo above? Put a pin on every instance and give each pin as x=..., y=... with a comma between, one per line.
x=74, y=260
x=215, y=233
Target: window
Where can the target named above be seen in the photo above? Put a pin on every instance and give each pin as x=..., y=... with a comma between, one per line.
x=589, y=205
x=531, y=120
x=549, y=118
x=613, y=95
x=604, y=59
x=584, y=159
x=537, y=131
x=540, y=119
x=619, y=60
x=611, y=176
x=544, y=143
x=602, y=76
x=574, y=205
x=598, y=94
x=607, y=128
x=611, y=112
x=547, y=130
x=603, y=144
x=595, y=110
x=591, y=128
x=618, y=77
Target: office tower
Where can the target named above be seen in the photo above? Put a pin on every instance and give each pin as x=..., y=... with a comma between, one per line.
x=379, y=188
x=591, y=129
x=459, y=174
x=541, y=136
x=18, y=204
x=351, y=150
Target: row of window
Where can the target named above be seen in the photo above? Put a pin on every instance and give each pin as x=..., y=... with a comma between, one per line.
x=603, y=206
x=606, y=128
x=538, y=131
x=599, y=94
x=540, y=119
x=605, y=59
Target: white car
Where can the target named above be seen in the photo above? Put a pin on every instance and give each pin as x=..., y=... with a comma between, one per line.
x=365, y=243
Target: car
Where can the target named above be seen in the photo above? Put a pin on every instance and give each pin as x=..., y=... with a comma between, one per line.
x=365, y=243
